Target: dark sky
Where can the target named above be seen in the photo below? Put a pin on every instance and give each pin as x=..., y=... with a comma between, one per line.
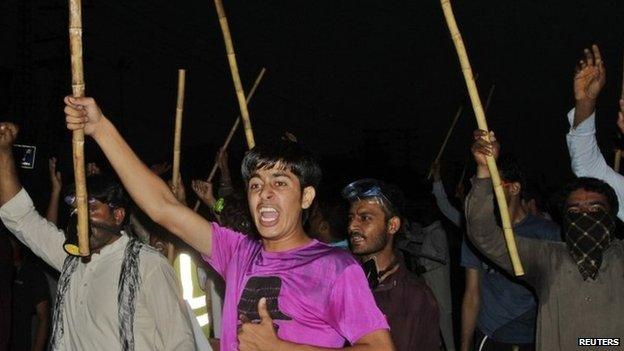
x=371, y=86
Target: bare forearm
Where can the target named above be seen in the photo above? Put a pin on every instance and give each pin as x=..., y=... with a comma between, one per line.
x=146, y=189
x=582, y=110
x=52, y=213
x=9, y=182
x=288, y=346
x=470, y=312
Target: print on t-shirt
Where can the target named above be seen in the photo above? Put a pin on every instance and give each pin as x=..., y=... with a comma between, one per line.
x=257, y=288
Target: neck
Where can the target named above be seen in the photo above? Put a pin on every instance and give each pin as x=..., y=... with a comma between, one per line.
x=384, y=257
x=294, y=239
x=517, y=212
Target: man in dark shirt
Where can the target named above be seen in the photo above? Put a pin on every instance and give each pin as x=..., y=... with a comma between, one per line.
x=409, y=305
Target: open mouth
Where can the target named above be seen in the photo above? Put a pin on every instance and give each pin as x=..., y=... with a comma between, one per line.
x=356, y=239
x=268, y=216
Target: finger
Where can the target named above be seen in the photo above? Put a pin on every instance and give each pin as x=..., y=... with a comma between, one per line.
x=71, y=111
x=58, y=175
x=597, y=55
x=622, y=105
x=265, y=317
x=583, y=64
x=479, y=134
x=589, y=57
x=76, y=120
x=244, y=319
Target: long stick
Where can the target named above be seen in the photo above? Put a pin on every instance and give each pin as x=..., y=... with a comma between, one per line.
x=178, y=128
x=233, y=130
x=238, y=86
x=175, y=182
x=446, y=139
x=78, y=90
x=481, y=122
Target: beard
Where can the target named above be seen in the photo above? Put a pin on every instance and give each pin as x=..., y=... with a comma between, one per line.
x=372, y=243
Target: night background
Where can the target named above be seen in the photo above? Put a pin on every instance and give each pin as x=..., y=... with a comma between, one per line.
x=370, y=86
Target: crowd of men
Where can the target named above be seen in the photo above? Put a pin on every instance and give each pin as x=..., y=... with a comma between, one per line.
x=307, y=269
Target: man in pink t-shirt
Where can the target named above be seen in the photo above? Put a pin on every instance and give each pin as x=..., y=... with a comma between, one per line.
x=284, y=291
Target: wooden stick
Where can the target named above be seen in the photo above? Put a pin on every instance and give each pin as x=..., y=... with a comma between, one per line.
x=78, y=90
x=238, y=86
x=233, y=130
x=446, y=139
x=178, y=129
x=175, y=181
x=481, y=122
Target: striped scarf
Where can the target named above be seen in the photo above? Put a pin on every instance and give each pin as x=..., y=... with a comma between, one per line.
x=127, y=291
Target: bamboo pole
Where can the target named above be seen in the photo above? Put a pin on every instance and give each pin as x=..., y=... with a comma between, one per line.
x=481, y=122
x=78, y=90
x=446, y=139
x=177, y=140
x=450, y=131
x=238, y=86
x=233, y=130
x=178, y=128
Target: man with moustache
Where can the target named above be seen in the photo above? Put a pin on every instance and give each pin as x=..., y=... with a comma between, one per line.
x=409, y=305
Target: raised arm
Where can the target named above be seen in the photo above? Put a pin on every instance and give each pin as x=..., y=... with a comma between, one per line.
x=55, y=191
x=586, y=157
x=9, y=182
x=445, y=206
x=481, y=225
x=18, y=212
x=149, y=192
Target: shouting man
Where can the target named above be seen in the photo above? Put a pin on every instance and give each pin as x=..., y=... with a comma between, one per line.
x=284, y=291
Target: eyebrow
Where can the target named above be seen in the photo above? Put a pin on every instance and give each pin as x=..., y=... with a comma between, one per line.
x=590, y=203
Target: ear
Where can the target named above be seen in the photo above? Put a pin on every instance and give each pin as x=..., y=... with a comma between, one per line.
x=394, y=224
x=309, y=193
x=119, y=214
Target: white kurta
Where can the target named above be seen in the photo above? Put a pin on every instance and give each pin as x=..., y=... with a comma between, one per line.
x=90, y=311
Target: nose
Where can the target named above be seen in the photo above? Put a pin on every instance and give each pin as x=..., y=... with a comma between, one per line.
x=354, y=225
x=266, y=192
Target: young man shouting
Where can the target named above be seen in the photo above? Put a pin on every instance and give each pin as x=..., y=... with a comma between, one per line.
x=284, y=291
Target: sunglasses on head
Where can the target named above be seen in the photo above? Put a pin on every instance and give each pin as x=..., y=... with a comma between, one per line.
x=71, y=200
x=366, y=189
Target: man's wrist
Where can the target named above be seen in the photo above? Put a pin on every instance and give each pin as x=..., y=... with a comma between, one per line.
x=483, y=171
x=583, y=109
x=103, y=128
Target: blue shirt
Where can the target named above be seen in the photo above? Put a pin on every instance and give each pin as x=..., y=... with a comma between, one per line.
x=508, y=308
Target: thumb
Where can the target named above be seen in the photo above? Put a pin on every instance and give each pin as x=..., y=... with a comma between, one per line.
x=265, y=317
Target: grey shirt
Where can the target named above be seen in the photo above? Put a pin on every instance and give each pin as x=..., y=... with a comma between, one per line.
x=569, y=308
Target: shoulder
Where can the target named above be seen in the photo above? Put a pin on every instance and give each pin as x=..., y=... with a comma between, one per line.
x=336, y=257
x=540, y=228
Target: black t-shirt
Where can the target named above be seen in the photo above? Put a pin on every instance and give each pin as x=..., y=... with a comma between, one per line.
x=30, y=288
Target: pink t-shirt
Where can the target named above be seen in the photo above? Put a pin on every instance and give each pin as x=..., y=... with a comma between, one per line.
x=316, y=294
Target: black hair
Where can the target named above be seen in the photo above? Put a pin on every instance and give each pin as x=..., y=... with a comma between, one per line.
x=595, y=186
x=287, y=153
x=511, y=171
x=335, y=212
x=107, y=189
x=236, y=216
x=397, y=200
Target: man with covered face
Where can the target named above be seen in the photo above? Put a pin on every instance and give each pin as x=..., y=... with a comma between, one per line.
x=124, y=296
x=578, y=282
x=409, y=305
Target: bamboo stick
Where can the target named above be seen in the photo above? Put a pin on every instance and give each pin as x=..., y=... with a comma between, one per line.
x=481, y=122
x=446, y=139
x=233, y=130
x=78, y=90
x=178, y=129
x=238, y=86
x=177, y=140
